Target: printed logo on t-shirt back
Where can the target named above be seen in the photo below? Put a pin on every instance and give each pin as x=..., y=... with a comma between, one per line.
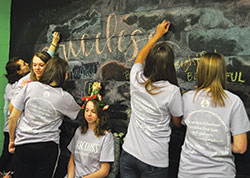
x=148, y=112
x=40, y=113
x=207, y=132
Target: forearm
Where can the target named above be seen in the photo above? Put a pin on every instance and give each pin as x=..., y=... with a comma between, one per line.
x=239, y=144
x=101, y=173
x=13, y=123
x=161, y=30
x=71, y=167
x=144, y=52
x=54, y=43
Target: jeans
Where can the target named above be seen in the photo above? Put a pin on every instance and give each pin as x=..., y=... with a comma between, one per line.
x=131, y=167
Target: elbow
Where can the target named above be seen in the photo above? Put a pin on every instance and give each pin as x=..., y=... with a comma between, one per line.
x=106, y=173
x=178, y=125
x=105, y=168
x=177, y=121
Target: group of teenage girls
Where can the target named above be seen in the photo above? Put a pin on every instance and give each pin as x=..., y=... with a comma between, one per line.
x=215, y=119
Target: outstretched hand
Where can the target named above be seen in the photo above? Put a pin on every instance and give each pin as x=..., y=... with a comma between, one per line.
x=163, y=27
x=161, y=30
x=56, y=38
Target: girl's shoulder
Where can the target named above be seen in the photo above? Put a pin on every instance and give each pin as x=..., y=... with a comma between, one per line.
x=108, y=136
x=188, y=92
x=233, y=97
x=26, y=77
x=108, y=133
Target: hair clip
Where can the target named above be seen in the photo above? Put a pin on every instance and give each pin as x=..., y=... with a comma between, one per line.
x=95, y=95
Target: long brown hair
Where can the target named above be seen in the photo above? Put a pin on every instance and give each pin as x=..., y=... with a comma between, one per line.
x=55, y=71
x=211, y=76
x=44, y=56
x=159, y=65
x=101, y=123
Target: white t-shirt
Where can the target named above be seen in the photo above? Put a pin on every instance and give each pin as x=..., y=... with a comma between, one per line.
x=18, y=86
x=9, y=92
x=149, y=132
x=43, y=109
x=207, y=151
x=89, y=151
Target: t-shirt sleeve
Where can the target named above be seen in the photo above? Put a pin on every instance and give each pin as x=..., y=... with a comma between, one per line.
x=185, y=100
x=176, y=105
x=19, y=87
x=107, y=151
x=134, y=70
x=71, y=108
x=6, y=101
x=240, y=122
x=6, y=109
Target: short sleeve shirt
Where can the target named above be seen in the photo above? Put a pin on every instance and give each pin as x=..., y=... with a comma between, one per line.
x=18, y=86
x=9, y=92
x=206, y=151
x=89, y=151
x=43, y=109
x=149, y=132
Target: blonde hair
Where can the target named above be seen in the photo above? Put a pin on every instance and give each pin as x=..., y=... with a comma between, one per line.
x=211, y=76
x=45, y=57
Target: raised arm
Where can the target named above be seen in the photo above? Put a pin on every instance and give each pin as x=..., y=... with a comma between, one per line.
x=53, y=45
x=161, y=30
x=239, y=144
x=101, y=173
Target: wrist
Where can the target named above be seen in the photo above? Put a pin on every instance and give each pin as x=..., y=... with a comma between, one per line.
x=157, y=35
x=54, y=44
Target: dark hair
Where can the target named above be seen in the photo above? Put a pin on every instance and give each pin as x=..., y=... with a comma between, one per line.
x=101, y=123
x=55, y=71
x=11, y=68
x=44, y=56
x=159, y=65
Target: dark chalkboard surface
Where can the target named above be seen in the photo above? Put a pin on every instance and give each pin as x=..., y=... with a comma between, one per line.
x=101, y=38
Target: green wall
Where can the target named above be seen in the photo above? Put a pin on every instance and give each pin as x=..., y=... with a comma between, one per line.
x=5, y=7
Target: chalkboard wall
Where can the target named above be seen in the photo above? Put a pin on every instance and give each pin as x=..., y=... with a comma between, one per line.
x=101, y=38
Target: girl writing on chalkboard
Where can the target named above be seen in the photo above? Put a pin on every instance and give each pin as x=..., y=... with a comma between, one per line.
x=38, y=64
x=39, y=109
x=212, y=115
x=155, y=100
x=92, y=147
